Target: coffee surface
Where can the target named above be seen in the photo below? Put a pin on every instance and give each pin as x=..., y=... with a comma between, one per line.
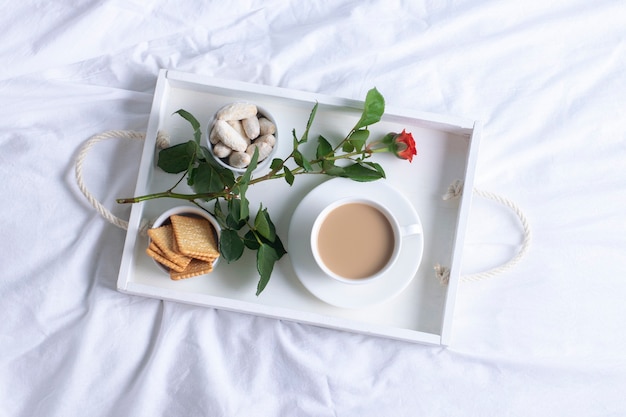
x=355, y=240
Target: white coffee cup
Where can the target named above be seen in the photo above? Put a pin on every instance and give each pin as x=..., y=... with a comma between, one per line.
x=357, y=240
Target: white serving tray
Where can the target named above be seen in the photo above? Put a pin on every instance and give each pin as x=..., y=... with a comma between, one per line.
x=447, y=151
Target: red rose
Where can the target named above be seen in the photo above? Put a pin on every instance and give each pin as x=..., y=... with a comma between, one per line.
x=404, y=146
x=401, y=145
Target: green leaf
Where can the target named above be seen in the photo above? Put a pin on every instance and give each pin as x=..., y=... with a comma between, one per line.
x=250, y=240
x=231, y=245
x=242, y=187
x=205, y=179
x=233, y=219
x=194, y=123
x=264, y=226
x=329, y=168
x=347, y=147
x=372, y=110
x=358, y=139
x=297, y=157
x=245, y=178
x=301, y=161
x=276, y=163
x=205, y=154
x=307, y=165
x=177, y=158
x=253, y=241
x=324, y=148
x=244, y=208
x=226, y=175
x=289, y=177
x=362, y=173
x=377, y=167
x=305, y=135
x=266, y=257
x=278, y=246
x=219, y=214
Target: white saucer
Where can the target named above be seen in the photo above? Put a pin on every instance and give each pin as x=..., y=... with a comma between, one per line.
x=337, y=293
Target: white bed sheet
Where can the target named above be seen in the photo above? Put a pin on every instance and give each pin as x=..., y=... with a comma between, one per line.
x=548, y=81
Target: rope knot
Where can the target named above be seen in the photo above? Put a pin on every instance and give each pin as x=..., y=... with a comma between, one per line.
x=454, y=190
x=442, y=273
x=162, y=140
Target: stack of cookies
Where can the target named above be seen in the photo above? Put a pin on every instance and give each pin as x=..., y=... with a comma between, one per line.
x=187, y=246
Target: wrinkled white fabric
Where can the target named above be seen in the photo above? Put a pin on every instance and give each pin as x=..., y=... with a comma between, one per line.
x=548, y=82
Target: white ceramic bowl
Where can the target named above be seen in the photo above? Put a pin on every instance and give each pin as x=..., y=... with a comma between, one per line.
x=164, y=218
x=224, y=161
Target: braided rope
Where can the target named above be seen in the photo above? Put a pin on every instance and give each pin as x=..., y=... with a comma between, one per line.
x=162, y=142
x=454, y=191
x=80, y=158
x=525, y=243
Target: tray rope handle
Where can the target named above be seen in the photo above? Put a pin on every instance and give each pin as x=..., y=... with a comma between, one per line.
x=162, y=142
x=454, y=192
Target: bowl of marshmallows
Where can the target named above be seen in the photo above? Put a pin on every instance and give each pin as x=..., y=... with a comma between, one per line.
x=236, y=130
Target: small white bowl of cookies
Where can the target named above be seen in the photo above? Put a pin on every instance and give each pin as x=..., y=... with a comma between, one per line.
x=236, y=130
x=184, y=242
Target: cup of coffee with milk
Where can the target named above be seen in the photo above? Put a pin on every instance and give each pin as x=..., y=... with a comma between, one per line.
x=356, y=240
